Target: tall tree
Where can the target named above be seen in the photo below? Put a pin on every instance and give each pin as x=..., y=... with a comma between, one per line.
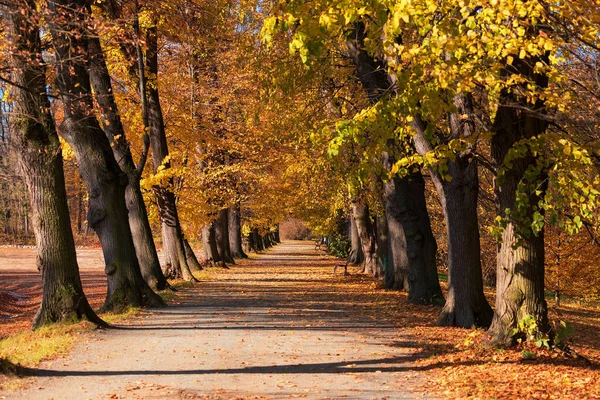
x=365, y=228
x=466, y=305
x=40, y=159
x=357, y=256
x=412, y=246
x=235, y=232
x=165, y=197
x=145, y=248
x=221, y=225
x=520, y=259
x=68, y=21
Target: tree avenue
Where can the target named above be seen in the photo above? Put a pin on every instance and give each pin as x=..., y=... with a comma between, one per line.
x=419, y=137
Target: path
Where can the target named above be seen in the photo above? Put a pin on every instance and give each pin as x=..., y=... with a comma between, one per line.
x=276, y=327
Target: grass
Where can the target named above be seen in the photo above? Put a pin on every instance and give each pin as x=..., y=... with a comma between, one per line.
x=112, y=318
x=28, y=349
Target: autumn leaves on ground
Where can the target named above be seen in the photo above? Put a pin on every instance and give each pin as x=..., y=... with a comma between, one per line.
x=283, y=325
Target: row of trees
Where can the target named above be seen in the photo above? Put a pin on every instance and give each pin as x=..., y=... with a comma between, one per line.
x=89, y=72
x=460, y=93
x=408, y=118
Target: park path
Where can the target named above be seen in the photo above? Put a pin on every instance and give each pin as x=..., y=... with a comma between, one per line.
x=277, y=326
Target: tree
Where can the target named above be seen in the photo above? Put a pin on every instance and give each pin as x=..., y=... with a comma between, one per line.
x=366, y=233
x=165, y=198
x=39, y=153
x=357, y=252
x=145, y=248
x=520, y=275
x=235, y=232
x=104, y=179
x=221, y=225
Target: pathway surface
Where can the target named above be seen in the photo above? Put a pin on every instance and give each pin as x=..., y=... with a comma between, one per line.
x=280, y=326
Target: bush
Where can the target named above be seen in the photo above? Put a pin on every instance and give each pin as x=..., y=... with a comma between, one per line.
x=339, y=245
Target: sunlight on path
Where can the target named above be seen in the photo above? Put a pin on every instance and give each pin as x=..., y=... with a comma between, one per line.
x=275, y=327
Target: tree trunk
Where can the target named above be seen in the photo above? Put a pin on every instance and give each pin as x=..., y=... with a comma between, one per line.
x=104, y=179
x=258, y=243
x=165, y=198
x=381, y=230
x=366, y=234
x=276, y=236
x=222, y=236
x=41, y=165
x=466, y=305
x=209, y=242
x=79, y=213
x=246, y=245
x=411, y=262
x=143, y=241
x=412, y=247
x=235, y=233
x=520, y=259
x=266, y=242
x=251, y=242
x=190, y=257
x=358, y=256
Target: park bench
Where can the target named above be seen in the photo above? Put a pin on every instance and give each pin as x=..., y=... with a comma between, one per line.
x=345, y=265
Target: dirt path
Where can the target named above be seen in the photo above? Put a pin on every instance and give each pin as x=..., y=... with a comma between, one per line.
x=281, y=326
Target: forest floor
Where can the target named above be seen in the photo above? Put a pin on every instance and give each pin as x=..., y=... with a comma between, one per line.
x=282, y=325
x=21, y=290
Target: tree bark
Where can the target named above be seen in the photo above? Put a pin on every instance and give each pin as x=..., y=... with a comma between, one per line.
x=276, y=236
x=41, y=166
x=190, y=257
x=79, y=212
x=520, y=259
x=222, y=236
x=104, y=179
x=265, y=242
x=251, y=242
x=411, y=262
x=366, y=234
x=358, y=256
x=412, y=246
x=165, y=198
x=466, y=305
x=143, y=241
x=381, y=233
x=235, y=233
x=209, y=242
x=258, y=243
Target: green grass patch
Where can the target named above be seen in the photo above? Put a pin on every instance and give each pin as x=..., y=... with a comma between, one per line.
x=30, y=348
x=112, y=318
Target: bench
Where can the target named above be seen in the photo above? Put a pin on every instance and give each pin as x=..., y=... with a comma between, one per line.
x=345, y=265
